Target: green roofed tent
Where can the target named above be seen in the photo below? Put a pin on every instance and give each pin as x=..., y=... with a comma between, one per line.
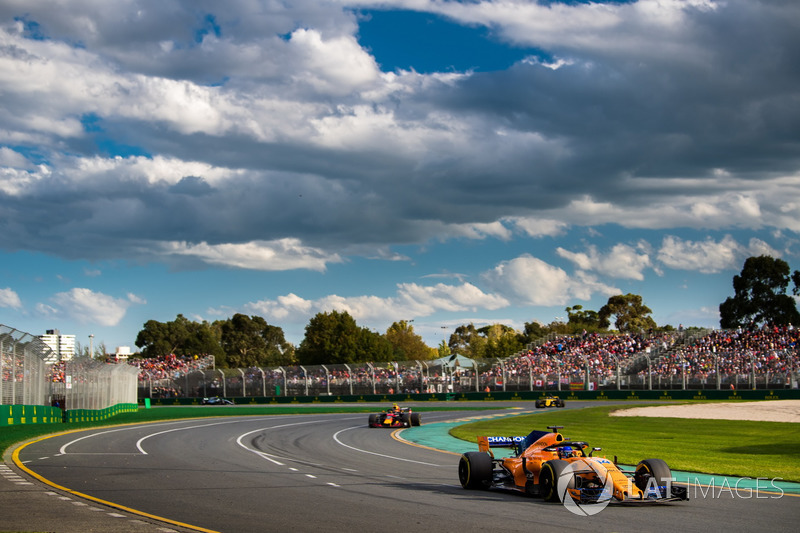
x=452, y=361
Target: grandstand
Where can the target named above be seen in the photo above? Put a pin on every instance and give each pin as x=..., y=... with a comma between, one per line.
x=764, y=358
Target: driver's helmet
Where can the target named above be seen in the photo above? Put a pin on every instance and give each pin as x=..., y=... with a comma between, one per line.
x=395, y=407
x=565, y=452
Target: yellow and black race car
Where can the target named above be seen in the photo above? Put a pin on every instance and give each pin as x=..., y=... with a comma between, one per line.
x=549, y=401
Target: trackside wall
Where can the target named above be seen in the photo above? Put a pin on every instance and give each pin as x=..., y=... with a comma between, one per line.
x=12, y=415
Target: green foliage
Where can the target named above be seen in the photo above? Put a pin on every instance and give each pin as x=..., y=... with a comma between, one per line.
x=407, y=345
x=237, y=342
x=443, y=350
x=181, y=337
x=631, y=314
x=580, y=319
x=501, y=341
x=335, y=338
x=467, y=341
x=250, y=341
x=760, y=295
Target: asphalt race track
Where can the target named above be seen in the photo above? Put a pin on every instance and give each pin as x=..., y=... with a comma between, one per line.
x=331, y=472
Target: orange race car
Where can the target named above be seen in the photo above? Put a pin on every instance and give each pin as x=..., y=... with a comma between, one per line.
x=544, y=458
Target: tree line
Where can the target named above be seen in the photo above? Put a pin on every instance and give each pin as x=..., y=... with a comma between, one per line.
x=335, y=338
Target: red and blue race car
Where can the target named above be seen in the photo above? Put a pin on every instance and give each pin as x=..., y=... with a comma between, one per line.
x=395, y=417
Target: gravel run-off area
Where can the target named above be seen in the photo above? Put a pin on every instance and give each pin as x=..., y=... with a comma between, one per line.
x=766, y=411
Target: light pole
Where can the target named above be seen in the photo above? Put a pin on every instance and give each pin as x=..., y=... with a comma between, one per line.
x=91, y=345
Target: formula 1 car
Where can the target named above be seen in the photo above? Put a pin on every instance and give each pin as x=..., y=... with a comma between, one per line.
x=216, y=400
x=548, y=465
x=549, y=401
x=394, y=418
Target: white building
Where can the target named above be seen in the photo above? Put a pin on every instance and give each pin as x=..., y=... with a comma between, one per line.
x=122, y=353
x=63, y=346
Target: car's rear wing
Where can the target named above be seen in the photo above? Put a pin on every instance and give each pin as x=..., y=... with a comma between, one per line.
x=517, y=443
x=486, y=443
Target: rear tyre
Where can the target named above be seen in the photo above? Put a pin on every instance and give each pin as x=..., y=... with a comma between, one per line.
x=560, y=403
x=653, y=473
x=548, y=480
x=415, y=419
x=373, y=420
x=475, y=470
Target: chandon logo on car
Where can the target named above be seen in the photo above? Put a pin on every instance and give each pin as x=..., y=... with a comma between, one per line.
x=568, y=478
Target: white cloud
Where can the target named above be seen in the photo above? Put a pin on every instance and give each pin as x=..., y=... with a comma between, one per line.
x=337, y=65
x=538, y=227
x=282, y=254
x=622, y=261
x=532, y=281
x=11, y=158
x=88, y=307
x=411, y=300
x=9, y=298
x=710, y=256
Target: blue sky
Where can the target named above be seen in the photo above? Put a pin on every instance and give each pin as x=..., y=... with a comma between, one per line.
x=437, y=161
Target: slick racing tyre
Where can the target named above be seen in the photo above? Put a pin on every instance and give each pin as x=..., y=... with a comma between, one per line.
x=415, y=419
x=653, y=473
x=475, y=470
x=539, y=404
x=373, y=421
x=548, y=480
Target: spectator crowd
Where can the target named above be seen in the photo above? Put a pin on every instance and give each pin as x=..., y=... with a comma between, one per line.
x=768, y=350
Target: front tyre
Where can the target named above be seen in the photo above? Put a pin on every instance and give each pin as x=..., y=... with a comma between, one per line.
x=475, y=470
x=548, y=480
x=653, y=475
x=415, y=419
x=373, y=421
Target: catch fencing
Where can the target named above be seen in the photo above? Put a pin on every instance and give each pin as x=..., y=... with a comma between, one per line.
x=86, y=383
x=23, y=371
x=409, y=377
x=80, y=383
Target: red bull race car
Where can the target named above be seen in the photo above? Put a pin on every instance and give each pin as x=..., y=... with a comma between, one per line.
x=395, y=417
x=548, y=465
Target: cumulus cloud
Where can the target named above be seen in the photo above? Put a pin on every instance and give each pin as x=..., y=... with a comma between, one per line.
x=622, y=261
x=534, y=227
x=531, y=281
x=280, y=115
x=9, y=298
x=710, y=256
x=88, y=307
x=268, y=137
x=411, y=299
x=283, y=254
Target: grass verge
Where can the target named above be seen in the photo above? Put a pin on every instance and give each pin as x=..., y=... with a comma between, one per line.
x=725, y=447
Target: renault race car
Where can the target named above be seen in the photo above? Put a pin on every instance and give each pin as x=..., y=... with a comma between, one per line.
x=549, y=401
x=395, y=417
x=548, y=465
